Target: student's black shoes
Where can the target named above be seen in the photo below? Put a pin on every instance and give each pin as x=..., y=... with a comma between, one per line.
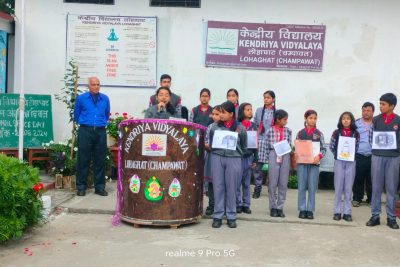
x=246, y=210
x=280, y=213
x=256, y=194
x=232, y=223
x=209, y=210
x=102, y=193
x=347, y=217
x=274, y=213
x=303, y=214
x=81, y=193
x=392, y=223
x=337, y=216
x=216, y=223
x=373, y=221
x=239, y=209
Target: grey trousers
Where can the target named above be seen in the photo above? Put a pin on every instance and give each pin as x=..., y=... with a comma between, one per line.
x=225, y=172
x=243, y=184
x=385, y=175
x=307, y=177
x=345, y=172
x=278, y=179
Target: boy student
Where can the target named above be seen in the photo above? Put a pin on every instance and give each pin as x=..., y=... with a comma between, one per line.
x=385, y=160
x=165, y=81
x=362, y=180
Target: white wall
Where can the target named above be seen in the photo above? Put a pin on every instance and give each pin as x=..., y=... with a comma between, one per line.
x=361, y=57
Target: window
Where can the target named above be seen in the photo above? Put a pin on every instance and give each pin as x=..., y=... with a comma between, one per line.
x=100, y=2
x=175, y=3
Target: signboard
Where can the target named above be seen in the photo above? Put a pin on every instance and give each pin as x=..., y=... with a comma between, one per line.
x=265, y=46
x=3, y=61
x=120, y=50
x=38, y=120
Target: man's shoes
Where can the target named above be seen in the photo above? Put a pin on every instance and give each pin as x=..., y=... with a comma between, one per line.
x=81, y=193
x=347, y=217
x=355, y=203
x=310, y=215
x=337, y=216
x=239, y=209
x=373, y=221
x=232, y=223
x=246, y=210
x=302, y=214
x=392, y=223
x=216, y=223
x=101, y=192
x=274, y=213
x=281, y=214
x=209, y=210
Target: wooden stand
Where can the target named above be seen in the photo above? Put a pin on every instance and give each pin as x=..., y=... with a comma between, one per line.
x=13, y=152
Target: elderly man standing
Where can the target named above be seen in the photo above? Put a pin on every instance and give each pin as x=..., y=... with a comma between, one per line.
x=91, y=112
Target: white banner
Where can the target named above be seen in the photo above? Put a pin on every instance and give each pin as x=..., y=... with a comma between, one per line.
x=120, y=50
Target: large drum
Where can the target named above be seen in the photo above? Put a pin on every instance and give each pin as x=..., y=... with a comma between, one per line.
x=161, y=166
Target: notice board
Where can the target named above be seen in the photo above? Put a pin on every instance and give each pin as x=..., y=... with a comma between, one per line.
x=38, y=124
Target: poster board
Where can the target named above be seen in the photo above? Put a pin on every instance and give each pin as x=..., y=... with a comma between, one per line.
x=120, y=50
x=38, y=120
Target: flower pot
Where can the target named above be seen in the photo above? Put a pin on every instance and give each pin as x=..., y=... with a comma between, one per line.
x=58, y=183
x=111, y=141
x=67, y=182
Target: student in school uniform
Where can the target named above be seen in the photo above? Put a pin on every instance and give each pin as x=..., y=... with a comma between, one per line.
x=175, y=100
x=226, y=164
x=207, y=165
x=264, y=119
x=249, y=161
x=362, y=181
x=233, y=96
x=344, y=171
x=385, y=160
x=279, y=166
x=201, y=114
x=307, y=174
x=163, y=109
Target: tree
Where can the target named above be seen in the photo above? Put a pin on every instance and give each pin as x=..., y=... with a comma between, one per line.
x=7, y=6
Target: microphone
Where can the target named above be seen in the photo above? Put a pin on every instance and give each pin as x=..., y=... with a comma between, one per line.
x=162, y=108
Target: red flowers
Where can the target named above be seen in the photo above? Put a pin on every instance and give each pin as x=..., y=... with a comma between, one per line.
x=38, y=187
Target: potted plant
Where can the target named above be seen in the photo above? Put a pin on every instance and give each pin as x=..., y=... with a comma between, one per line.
x=113, y=122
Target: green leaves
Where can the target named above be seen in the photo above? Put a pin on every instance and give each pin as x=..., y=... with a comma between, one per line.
x=19, y=206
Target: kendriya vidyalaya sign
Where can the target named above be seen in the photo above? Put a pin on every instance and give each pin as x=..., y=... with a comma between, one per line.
x=265, y=46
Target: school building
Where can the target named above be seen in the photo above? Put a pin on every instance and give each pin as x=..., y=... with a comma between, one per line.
x=361, y=58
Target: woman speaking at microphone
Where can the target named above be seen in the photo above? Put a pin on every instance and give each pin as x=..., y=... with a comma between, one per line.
x=164, y=109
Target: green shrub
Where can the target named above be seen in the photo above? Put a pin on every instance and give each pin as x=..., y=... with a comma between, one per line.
x=292, y=182
x=20, y=205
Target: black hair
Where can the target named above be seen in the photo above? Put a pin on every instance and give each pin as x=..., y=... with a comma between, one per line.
x=229, y=107
x=165, y=76
x=205, y=90
x=389, y=98
x=241, y=111
x=272, y=94
x=368, y=104
x=185, y=113
x=353, y=126
x=217, y=107
x=235, y=91
x=169, y=107
x=280, y=114
x=309, y=113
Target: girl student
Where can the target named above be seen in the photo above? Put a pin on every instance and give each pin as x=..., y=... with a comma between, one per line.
x=228, y=142
x=249, y=160
x=207, y=165
x=233, y=96
x=201, y=114
x=164, y=109
x=264, y=119
x=279, y=166
x=344, y=171
x=307, y=174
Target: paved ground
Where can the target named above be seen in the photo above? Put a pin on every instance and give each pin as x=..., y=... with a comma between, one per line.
x=87, y=239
